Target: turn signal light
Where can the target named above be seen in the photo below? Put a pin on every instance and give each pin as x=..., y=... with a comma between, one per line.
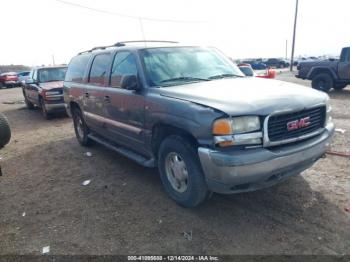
x=222, y=127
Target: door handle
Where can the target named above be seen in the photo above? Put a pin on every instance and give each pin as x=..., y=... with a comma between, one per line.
x=107, y=99
x=87, y=95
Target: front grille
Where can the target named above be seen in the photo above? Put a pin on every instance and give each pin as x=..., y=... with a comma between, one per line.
x=277, y=125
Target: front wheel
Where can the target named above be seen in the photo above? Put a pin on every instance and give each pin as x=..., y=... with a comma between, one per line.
x=181, y=172
x=322, y=82
x=29, y=104
x=44, y=112
x=80, y=128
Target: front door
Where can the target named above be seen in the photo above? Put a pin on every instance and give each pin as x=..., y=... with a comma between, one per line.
x=32, y=90
x=124, y=108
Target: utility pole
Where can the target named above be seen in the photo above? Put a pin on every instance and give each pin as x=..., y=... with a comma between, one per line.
x=53, y=59
x=294, y=32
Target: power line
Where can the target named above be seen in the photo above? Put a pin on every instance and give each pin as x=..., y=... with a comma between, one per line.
x=125, y=15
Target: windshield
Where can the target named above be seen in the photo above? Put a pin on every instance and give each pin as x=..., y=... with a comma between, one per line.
x=52, y=74
x=179, y=65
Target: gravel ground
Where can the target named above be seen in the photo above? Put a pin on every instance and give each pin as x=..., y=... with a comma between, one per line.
x=124, y=209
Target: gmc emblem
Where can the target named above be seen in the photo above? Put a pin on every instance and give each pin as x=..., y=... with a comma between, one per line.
x=297, y=124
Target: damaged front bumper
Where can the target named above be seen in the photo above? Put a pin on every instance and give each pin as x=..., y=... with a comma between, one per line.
x=234, y=171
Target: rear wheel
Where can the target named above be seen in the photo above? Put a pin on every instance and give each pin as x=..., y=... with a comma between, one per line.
x=81, y=129
x=322, y=82
x=5, y=131
x=181, y=172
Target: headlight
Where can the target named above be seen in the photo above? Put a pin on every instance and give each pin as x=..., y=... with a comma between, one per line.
x=245, y=124
x=236, y=125
x=237, y=131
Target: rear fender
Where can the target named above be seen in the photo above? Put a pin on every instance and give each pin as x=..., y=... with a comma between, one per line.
x=321, y=69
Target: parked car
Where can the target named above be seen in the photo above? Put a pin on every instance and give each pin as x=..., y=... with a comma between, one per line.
x=206, y=126
x=22, y=77
x=327, y=74
x=305, y=59
x=247, y=70
x=286, y=62
x=5, y=131
x=276, y=63
x=44, y=88
x=9, y=79
x=256, y=65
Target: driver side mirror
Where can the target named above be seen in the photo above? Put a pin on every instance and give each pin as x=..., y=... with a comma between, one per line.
x=130, y=82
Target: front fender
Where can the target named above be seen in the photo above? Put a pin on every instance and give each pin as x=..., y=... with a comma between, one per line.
x=191, y=117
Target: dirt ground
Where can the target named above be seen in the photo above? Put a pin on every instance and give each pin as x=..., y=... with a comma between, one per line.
x=124, y=209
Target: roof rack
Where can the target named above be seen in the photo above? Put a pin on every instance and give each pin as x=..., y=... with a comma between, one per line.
x=144, y=41
x=96, y=48
x=119, y=44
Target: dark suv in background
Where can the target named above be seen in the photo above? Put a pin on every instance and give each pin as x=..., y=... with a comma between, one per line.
x=276, y=63
x=327, y=74
x=190, y=111
x=44, y=88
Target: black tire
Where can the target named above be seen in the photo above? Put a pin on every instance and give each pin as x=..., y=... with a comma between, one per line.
x=29, y=104
x=5, y=131
x=196, y=188
x=44, y=112
x=81, y=129
x=1, y=85
x=339, y=87
x=322, y=82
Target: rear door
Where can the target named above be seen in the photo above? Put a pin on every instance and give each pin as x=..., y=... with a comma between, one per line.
x=344, y=65
x=95, y=92
x=124, y=108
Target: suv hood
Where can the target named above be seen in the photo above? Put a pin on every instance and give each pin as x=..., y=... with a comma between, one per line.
x=51, y=85
x=248, y=95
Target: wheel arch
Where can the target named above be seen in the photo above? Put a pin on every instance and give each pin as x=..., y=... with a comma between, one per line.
x=319, y=70
x=162, y=130
x=71, y=106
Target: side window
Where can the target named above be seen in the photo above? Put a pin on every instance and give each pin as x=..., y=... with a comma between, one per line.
x=77, y=68
x=99, y=69
x=348, y=56
x=31, y=74
x=35, y=75
x=124, y=64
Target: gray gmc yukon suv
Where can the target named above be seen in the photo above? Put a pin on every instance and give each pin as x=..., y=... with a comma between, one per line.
x=189, y=111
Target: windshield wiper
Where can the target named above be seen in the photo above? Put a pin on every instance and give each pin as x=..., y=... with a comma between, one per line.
x=184, y=78
x=224, y=76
